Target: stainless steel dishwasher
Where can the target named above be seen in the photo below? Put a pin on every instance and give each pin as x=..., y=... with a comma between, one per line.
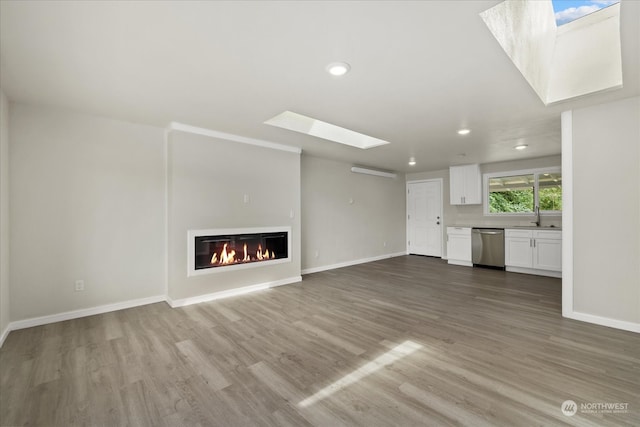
x=487, y=247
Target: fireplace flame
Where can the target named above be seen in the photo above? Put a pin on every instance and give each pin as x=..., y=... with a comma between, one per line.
x=246, y=256
x=228, y=256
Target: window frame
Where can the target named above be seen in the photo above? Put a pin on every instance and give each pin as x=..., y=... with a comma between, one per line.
x=536, y=190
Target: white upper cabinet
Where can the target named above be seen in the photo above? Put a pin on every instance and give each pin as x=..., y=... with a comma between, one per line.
x=465, y=184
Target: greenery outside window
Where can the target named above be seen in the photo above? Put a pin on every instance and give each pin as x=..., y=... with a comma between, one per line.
x=519, y=192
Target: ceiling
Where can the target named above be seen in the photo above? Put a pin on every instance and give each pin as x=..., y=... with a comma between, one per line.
x=419, y=72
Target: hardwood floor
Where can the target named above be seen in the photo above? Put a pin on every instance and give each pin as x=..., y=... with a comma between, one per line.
x=406, y=341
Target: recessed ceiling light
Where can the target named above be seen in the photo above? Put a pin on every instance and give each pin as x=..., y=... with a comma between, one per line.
x=338, y=68
x=464, y=132
x=521, y=146
x=412, y=161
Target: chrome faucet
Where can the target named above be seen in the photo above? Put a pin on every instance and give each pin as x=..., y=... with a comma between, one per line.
x=536, y=212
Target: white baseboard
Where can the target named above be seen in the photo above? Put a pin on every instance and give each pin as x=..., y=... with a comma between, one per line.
x=458, y=262
x=604, y=321
x=75, y=314
x=68, y=315
x=349, y=263
x=231, y=292
x=4, y=335
x=535, y=271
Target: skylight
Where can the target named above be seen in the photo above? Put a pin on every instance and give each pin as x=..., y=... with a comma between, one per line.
x=310, y=126
x=570, y=10
x=561, y=62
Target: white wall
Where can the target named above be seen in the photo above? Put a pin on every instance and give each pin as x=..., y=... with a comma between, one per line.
x=340, y=231
x=560, y=63
x=4, y=216
x=208, y=178
x=473, y=215
x=87, y=202
x=587, y=56
x=526, y=30
x=606, y=206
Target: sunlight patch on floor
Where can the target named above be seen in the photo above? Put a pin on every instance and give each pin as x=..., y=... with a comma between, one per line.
x=386, y=359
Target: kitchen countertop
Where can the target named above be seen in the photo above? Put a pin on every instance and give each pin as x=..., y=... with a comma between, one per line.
x=509, y=227
x=527, y=227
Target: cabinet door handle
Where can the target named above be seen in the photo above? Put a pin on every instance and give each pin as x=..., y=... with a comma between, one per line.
x=534, y=243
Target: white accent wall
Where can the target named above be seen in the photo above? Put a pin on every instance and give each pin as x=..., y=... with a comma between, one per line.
x=348, y=217
x=606, y=213
x=4, y=217
x=87, y=203
x=208, y=179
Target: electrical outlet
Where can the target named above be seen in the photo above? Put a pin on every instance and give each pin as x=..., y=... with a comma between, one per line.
x=317, y=254
x=384, y=244
x=79, y=285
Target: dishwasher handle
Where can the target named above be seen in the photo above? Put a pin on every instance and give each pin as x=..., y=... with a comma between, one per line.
x=487, y=232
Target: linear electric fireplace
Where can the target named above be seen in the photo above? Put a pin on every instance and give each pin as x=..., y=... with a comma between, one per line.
x=216, y=250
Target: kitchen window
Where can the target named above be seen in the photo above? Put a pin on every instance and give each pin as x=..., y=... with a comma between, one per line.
x=519, y=192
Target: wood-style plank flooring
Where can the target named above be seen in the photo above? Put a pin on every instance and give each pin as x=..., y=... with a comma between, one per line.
x=408, y=341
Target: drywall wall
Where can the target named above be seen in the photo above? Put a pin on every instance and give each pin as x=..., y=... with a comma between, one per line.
x=348, y=216
x=4, y=215
x=208, y=179
x=526, y=30
x=87, y=203
x=560, y=63
x=587, y=56
x=473, y=215
x=606, y=206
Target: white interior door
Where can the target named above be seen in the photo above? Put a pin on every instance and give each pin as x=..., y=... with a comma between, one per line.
x=424, y=218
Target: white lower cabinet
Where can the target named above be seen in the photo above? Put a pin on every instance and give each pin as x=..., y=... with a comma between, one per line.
x=459, y=246
x=547, y=253
x=518, y=250
x=533, y=251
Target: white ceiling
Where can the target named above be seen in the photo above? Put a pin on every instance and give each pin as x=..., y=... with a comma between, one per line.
x=419, y=72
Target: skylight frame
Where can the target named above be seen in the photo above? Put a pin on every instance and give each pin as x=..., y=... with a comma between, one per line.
x=588, y=7
x=313, y=127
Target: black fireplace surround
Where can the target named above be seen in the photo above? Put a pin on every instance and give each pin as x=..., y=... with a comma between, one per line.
x=222, y=250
